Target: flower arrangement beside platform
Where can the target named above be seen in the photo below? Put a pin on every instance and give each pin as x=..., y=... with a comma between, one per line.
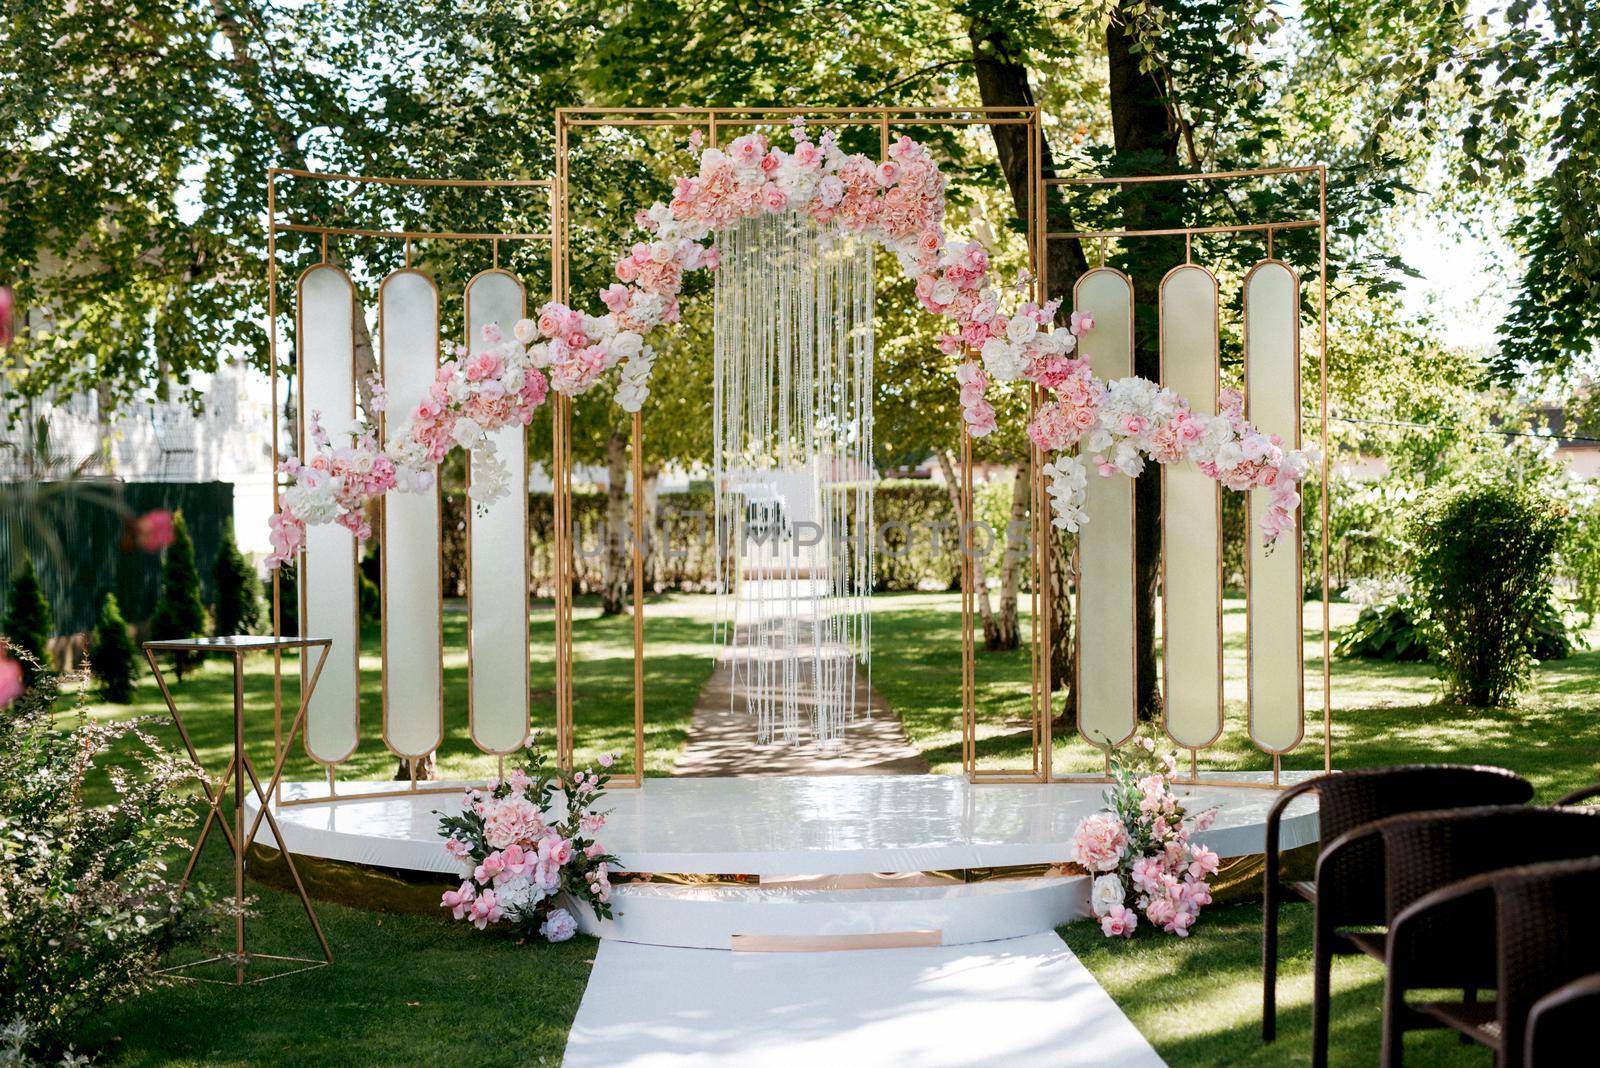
x=1139, y=852
x=525, y=854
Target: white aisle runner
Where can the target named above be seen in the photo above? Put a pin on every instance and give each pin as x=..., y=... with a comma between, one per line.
x=1024, y=1001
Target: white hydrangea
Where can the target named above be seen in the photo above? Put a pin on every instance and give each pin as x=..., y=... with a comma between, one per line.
x=1068, y=480
x=519, y=895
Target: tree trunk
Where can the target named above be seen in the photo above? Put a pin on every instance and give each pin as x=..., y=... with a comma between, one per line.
x=980, y=569
x=1147, y=143
x=1007, y=633
x=1003, y=82
x=615, y=579
x=652, y=512
x=1063, y=654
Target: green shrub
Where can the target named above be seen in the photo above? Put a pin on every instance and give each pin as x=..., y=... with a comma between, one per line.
x=87, y=904
x=113, y=655
x=1386, y=632
x=28, y=624
x=179, y=611
x=1485, y=555
x=1551, y=638
x=237, y=609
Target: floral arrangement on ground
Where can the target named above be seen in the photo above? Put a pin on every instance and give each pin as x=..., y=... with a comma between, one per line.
x=996, y=333
x=527, y=847
x=1140, y=851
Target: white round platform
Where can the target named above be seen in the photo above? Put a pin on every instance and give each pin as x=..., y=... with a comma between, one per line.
x=802, y=825
x=826, y=856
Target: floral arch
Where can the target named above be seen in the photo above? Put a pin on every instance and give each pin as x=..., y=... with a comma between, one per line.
x=898, y=202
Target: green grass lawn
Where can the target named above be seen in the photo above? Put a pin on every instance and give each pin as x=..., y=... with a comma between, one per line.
x=680, y=660
x=419, y=989
x=1382, y=713
x=403, y=990
x=1198, y=999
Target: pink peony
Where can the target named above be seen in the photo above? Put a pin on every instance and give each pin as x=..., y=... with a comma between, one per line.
x=485, y=910
x=459, y=902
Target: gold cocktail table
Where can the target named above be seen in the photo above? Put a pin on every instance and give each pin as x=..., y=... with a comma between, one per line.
x=238, y=769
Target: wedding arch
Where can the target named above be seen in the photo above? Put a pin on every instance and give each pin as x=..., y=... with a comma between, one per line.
x=1086, y=410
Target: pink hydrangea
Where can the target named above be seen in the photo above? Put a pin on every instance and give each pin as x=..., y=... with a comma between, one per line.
x=1099, y=842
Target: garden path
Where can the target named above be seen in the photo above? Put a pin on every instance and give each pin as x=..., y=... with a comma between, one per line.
x=722, y=739
x=1026, y=1001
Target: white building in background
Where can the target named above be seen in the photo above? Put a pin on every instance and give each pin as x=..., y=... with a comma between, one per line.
x=229, y=439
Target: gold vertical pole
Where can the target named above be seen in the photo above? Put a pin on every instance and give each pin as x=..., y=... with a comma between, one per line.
x=561, y=488
x=238, y=816
x=1327, y=487
x=639, y=535
x=1043, y=619
x=272, y=375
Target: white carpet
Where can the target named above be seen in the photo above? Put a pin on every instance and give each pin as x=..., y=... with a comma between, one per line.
x=1025, y=1001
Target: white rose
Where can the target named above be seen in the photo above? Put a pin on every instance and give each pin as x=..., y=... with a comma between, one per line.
x=625, y=344
x=1021, y=328
x=466, y=431
x=525, y=330
x=1105, y=892
x=944, y=291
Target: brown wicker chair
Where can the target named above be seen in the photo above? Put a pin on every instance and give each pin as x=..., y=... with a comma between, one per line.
x=1354, y=888
x=1578, y=797
x=1464, y=936
x=1561, y=1022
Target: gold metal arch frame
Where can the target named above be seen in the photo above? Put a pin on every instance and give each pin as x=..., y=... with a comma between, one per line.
x=277, y=225
x=1270, y=228
x=716, y=123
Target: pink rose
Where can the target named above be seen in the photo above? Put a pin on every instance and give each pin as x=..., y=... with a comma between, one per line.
x=1119, y=922
x=484, y=365
x=1081, y=323
x=456, y=848
x=888, y=173
x=773, y=200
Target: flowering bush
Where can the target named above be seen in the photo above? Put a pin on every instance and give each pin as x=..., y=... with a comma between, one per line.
x=898, y=203
x=87, y=905
x=524, y=858
x=1139, y=852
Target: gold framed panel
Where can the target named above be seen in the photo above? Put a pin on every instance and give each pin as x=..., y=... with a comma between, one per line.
x=1269, y=227
x=277, y=224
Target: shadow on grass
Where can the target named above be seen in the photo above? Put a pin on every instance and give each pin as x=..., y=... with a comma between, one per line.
x=1198, y=1000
